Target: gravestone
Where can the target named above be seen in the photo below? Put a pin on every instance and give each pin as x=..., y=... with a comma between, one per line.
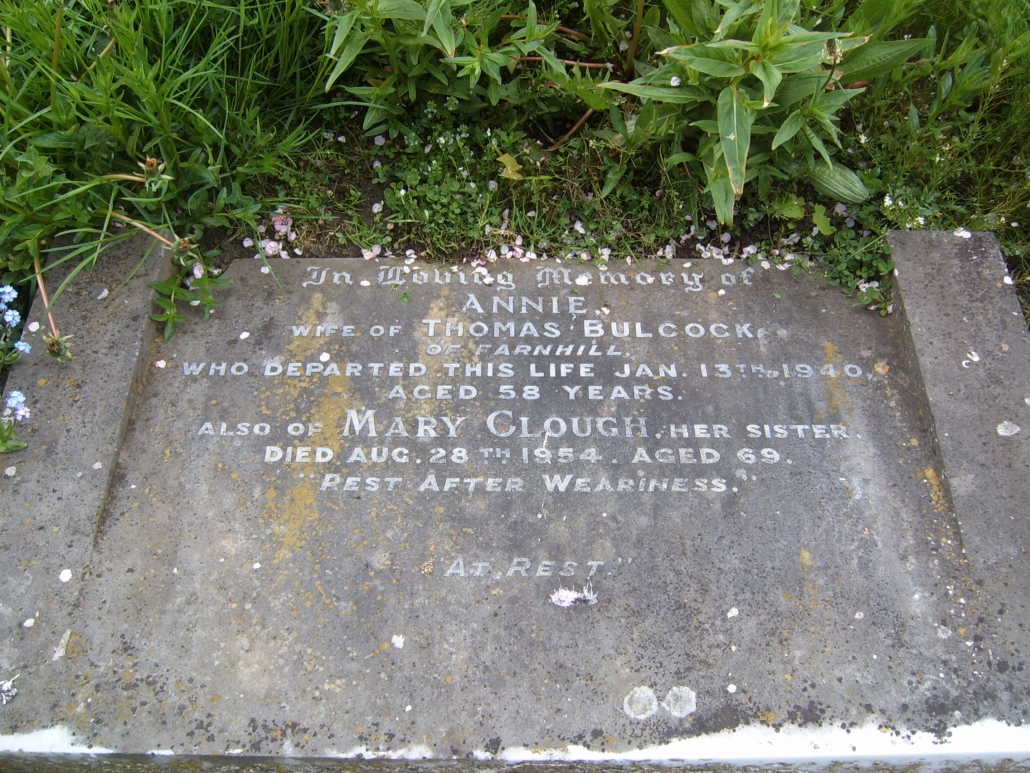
x=696, y=510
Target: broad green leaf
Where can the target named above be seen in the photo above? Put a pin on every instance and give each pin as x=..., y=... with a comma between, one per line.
x=735, y=135
x=614, y=176
x=511, y=167
x=723, y=198
x=817, y=143
x=798, y=87
x=790, y=58
x=701, y=59
x=438, y=17
x=838, y=182
x=354, y=45
x=822, y=222
x=343, y=27
x=680, y=95
x=400, y=9
x=680, y=158
x=681, y=13
x=735, y=11
x=711, y=127
x=878, y=58
x=789, y=128
x=770, y=78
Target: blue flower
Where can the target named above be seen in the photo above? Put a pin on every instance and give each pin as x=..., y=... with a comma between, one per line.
x=8, y=294
x=12, y=318
x=15, y=399
x=22, y=347
x=21, y=413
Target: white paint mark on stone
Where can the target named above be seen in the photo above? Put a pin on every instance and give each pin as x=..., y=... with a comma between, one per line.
x=160, y=364
x=680, y=702
x=324, y=357
x=641, y=703
x=973, y=356
x=1008, y=429
x=398, y=641
x=62, y=646
x=963, y=233
x=98, y=465
x=733, y=612
x=65, y=575
x=943, y=632
x=103, y=294
x=29, y=623
x=8, y=690
x=570, y=597
x=731, y=688
x=244, y=335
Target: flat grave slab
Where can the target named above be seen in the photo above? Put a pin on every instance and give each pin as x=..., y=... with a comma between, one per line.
x=413, y=510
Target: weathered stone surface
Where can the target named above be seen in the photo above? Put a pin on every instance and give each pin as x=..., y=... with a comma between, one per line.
x=357, y=515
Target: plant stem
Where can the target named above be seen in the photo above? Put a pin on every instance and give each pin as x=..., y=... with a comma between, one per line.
x=135, y=223
x=38, y=266
x=571, y=131
x=631, y=54
x=559, y=28
x=569, y=62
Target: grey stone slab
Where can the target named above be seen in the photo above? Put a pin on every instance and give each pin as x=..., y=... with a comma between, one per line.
x=53, y=493
x=970, y=344
x=348, y=515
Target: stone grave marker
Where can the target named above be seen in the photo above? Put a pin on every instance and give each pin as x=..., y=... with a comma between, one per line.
x=416, y=510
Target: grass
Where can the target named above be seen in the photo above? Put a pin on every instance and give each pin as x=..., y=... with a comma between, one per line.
x=228, y=101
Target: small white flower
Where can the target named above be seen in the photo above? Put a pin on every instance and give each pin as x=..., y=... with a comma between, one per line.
x=377, y=164
x=380, y=140
x=270, y=246
x=675, y=81
x=492, y=185
x=160, y=364
x=248, y=242
x=341, y=138
x=579, y=227
x=377, y=208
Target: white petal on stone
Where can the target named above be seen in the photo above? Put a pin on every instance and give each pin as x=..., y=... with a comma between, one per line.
x=860, y=615
x=398, y=642
x=33, y=327
x=98, y=465
x=29, y=623
x=973, y=356
x=733, y=612
x=264, y=269
x=1007, y=280
x=1008, y=429
x=583, y=279
x=641, y=703
x=62, y=646
x=324, y=357
x=10, y=471
x=103, y=294
x=244, y=335
x=680, y=702
x=160, y=364
x=257, y=565
x=963, y=233
x=365, y=283
x=731, y=688
x=65, y=575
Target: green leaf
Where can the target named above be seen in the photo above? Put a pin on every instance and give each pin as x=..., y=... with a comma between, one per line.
x=400, y=9
x=789, y=128
x=511, y=167
x=343, y=28
x=722, y=196
x=735, y=135
x=438, y=17
x=702, y=59
x=679, y=95
x=798, y=87
x=770, y=78
x=822, y=222
x=681, y=13
x=838, y=182
x=878, y=58
x=347, y=56
x=614, y=176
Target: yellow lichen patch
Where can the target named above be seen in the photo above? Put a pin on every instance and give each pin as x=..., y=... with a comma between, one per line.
x=767, y=716
x=881, y=368
x=835, y=394
x=806, y=560
x=293, y=517
x=938, y=496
